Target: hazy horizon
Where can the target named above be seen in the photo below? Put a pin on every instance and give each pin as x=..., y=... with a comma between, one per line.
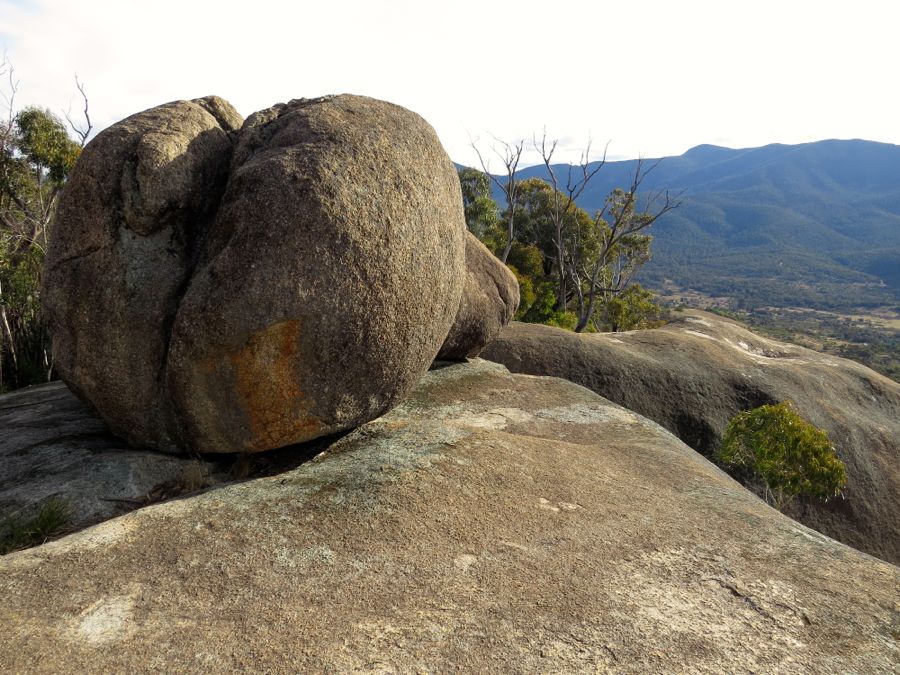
x=613, y=158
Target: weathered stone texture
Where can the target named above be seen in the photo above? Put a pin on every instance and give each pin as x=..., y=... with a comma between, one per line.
x=218, y=290
x=489, y=301
x=490, y=523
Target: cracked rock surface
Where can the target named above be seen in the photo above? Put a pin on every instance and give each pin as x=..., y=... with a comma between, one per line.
x=489, y=523
x=216, y=286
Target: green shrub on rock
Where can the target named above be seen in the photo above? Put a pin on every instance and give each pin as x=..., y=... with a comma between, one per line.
x=774, y=449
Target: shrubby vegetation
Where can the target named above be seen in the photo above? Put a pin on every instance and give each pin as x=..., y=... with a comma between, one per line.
x=781, y=455
x=24, y=345
x=18, y=531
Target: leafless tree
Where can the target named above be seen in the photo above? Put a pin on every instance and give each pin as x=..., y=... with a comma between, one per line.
x=618, y=226
x=509, y=154
x=81, y=131
x=577, y=180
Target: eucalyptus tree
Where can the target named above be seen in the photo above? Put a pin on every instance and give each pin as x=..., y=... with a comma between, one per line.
x=37, y=153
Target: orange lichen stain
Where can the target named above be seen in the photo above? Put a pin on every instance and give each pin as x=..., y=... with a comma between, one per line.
x=268, y=387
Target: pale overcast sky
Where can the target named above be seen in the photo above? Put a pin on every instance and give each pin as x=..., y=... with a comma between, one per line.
x=654, y=77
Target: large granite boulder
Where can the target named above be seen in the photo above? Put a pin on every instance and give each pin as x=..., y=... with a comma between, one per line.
x=694, y=374
x=490, y=523
x=489, y=300
x=135, y=210
x=215, y=291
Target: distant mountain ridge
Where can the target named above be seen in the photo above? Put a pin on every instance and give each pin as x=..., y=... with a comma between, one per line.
x=815, y=224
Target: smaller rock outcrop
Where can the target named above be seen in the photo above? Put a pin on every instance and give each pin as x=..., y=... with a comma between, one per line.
x=695, y=373
x=53, y=448
x=489, y=301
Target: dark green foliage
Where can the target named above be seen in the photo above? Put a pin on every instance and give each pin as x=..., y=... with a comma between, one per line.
x=17, y=532
x=44, y=142
x=773, y=448
x=537, y=295
x=482, y=217
x=727, y=313
x=20, y=314
x=633, y=308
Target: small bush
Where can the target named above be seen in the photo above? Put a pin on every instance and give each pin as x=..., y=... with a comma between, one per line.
x=18, y=533
x=774, y=449
x=567, y=320
x=721, y=311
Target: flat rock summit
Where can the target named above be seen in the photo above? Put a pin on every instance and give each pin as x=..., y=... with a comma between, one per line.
x=490, y=522
x=275, y=448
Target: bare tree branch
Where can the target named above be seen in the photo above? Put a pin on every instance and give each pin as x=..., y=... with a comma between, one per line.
x=575, y=187
x=626, y=221
x=82, y=133
x=510, y=156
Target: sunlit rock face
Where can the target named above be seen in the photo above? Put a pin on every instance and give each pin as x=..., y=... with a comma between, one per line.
x=219, y=286
x=489, y=523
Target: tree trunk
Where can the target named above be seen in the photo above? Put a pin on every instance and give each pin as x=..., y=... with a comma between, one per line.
x=561, y=262
x=48, y=364
x=10, y=339
x=509, y=239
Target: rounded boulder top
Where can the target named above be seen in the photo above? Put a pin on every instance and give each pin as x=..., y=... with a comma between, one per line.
x=237, y=290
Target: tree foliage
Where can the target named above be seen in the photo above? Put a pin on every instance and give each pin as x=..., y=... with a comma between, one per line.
x=775, y=449
x=634, y=307
x=575, y=269
x=482, y=216
x=36, y=156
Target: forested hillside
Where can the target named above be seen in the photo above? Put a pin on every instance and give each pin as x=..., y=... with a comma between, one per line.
x=815, y=225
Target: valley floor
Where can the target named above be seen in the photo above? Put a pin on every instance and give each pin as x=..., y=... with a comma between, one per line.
x=870, y=336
